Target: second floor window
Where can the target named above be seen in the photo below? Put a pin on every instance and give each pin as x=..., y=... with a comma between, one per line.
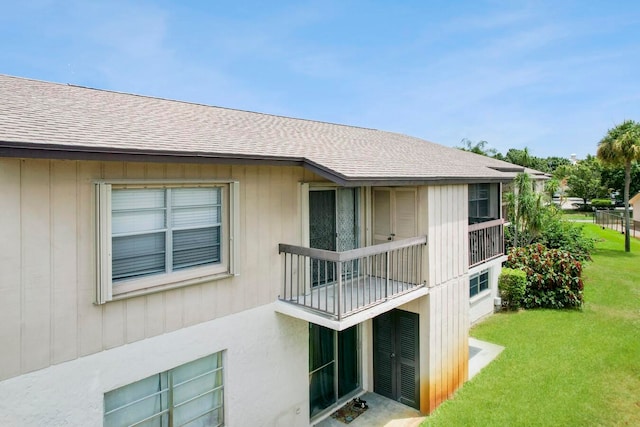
x=153, y=236
x=160, y=230
x=483, y=202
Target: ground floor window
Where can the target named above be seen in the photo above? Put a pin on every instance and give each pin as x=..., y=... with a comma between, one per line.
x=333, y=366
x=478, y=283
x=189, y=395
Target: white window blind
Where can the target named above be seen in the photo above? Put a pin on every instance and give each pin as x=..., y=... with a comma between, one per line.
x=162, y=230
x=161, y=235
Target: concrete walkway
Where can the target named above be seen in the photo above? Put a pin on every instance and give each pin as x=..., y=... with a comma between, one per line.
x=382, y=412
x=481, y=353
x=385, y=412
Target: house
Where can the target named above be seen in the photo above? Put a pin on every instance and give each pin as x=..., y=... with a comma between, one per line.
x=171, y=261
x=634, y=203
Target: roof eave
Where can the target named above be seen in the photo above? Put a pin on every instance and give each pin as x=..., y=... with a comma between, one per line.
x=373, y=181
x=66, y=152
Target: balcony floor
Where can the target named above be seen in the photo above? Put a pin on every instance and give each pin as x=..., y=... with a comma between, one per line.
x=356, y=295
x=362, y=299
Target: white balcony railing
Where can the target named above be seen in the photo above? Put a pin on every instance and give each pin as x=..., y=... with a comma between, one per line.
x=339, y=284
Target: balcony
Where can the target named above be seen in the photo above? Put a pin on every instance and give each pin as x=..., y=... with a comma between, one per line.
x=339, y=289
x=486, y=241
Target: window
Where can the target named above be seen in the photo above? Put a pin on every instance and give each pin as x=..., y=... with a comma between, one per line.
x=155, y=236
x=478, y=283
x=191, y=394
x=483, y=202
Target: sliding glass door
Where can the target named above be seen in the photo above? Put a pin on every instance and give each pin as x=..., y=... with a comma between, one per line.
x=333, y=366
x=333, y=226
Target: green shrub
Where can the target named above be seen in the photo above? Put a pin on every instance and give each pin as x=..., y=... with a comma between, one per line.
x=553, y=276
x=554, y=233
x=602, y=203
x=512, y=285
x=567, y=236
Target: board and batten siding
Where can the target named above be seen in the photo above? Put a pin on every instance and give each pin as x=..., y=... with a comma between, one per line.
x=448, y=232
x=47, y=258
x=448, y=299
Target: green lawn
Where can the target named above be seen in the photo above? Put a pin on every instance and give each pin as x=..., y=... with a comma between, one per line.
x=563, y=368
x=574, y=215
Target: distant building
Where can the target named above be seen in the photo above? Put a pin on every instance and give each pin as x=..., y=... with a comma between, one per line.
x=573, y=159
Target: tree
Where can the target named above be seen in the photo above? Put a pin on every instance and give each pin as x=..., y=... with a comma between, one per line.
x=613, y=179
x=551, y=187
x=621, y=146
x=562, y=172
x=525, y=211
x=519, y=157
x=477, y=148
x=553, y=163
x=524, y=158
x=584, y=179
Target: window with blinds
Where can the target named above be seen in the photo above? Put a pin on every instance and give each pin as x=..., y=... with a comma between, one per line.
x=162, y=230
x=154, y=235
x=189, y=395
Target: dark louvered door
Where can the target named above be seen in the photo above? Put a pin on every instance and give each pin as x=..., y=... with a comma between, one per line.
x=384, y=378
x=395, y=359
x=407, y=360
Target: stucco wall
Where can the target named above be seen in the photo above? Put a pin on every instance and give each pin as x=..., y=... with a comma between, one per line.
x=482, y=304
x=261, y=350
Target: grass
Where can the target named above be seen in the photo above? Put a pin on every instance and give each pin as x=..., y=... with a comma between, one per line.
x=563, y=368
x=575, y=215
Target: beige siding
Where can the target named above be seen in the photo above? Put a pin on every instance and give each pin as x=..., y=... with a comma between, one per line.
x=47, y=265
x=36, y=254
x=447, y=304
x=448, y=345
x=447, y=230
x=444, y=349
x=11, y=269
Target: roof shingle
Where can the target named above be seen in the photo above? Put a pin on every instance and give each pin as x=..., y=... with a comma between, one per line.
x=63, y=117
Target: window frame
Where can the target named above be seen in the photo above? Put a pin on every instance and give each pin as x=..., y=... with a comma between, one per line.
x=478, y=275
x=334, y=363
x=108, y=290
x=475, y=200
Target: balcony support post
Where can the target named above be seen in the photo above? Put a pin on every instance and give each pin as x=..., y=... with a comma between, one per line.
x=387, y=274
x=339, y=274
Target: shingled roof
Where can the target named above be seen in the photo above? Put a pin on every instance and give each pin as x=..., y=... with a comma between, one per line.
x=42, y=119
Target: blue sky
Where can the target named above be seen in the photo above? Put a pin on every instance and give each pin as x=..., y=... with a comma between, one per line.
x=552, y=76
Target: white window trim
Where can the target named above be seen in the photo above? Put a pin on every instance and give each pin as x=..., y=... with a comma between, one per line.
x=160, y=282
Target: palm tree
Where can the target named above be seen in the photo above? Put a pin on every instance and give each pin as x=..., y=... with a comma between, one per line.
x=478, y=147
x=621, y=147
x=524, y=210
